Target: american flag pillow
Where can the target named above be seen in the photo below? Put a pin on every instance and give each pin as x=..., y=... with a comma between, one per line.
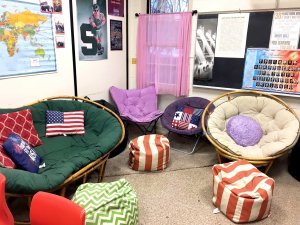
x=186, y=118
x=64, y=123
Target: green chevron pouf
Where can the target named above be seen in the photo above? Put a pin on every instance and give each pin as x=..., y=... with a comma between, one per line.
x=112, y=203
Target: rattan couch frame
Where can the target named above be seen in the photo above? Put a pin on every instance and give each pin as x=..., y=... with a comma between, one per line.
x=222, y=151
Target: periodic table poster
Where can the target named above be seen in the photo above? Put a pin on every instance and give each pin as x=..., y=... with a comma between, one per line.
x=272, y=70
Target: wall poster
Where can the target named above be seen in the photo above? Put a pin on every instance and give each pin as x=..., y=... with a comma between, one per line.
x=26, y=39
x=116, y=7
x=57, y=6
x=92, y=29
x=272, y=70
x=205, y=49
x=59, y=30
x=116, y=35
x=285, y=33
x=232, y=34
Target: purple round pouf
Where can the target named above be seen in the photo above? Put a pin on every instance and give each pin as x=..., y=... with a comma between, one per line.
x=244, y=130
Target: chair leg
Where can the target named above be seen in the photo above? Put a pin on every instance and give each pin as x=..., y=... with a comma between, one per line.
x=63, y=191
x=268, y=167
x=148, y=128
x=141, y=128
x=195, y=145
x=219, y=157
x=186, y=153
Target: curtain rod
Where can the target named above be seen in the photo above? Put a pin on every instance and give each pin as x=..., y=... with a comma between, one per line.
x=193, y=13
x=248, y=11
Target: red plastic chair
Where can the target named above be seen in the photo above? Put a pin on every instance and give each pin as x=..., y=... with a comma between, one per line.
x=45, y=209
x=50, y=209
x=6, y=218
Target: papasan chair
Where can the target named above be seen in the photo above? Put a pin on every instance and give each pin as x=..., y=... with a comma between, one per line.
x=193, y=102
x=278, y=122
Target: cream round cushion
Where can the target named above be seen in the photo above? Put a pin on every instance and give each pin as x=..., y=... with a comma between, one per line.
x=280, y=127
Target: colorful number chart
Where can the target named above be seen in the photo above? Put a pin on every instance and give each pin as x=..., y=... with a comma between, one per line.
x=272, y=70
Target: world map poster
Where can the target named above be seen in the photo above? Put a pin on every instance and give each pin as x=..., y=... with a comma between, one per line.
x=26, y=39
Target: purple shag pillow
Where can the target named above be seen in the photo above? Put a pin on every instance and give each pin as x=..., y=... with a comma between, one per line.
x=244, y=130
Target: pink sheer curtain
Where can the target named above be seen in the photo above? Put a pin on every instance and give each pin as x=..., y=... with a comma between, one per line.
x=163, y=50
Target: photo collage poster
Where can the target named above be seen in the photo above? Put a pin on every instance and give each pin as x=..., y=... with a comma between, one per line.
x=55, y=8
x=92, y=29
x=272, y=70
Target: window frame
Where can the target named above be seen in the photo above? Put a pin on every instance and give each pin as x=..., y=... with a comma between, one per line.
x=149, y=6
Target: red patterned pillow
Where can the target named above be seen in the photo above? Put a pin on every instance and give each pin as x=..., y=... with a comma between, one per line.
x=5, y=161
x=20, y=123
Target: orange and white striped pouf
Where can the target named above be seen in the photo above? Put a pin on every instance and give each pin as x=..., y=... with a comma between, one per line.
x=241, y=191
x=149, y=152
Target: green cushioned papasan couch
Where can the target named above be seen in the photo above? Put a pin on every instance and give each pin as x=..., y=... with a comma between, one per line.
x=67, y=158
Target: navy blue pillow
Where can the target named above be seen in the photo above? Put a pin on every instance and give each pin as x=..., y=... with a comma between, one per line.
x=22, y=153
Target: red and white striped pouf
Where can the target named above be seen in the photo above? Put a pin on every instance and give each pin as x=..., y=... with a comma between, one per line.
x=149, y=152
x=241, y=191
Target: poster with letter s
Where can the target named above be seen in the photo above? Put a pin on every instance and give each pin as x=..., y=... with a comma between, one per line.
x=92, y=29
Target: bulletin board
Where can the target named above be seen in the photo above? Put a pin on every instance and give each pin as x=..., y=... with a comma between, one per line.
x=225, y=72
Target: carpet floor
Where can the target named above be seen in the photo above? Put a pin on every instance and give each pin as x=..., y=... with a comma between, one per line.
x=182, y=193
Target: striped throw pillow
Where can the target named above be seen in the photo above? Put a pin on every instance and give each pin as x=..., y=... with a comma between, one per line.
x=64, y=123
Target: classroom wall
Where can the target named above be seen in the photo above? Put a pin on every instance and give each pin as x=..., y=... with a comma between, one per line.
x=206, y=6
x=93, y=77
